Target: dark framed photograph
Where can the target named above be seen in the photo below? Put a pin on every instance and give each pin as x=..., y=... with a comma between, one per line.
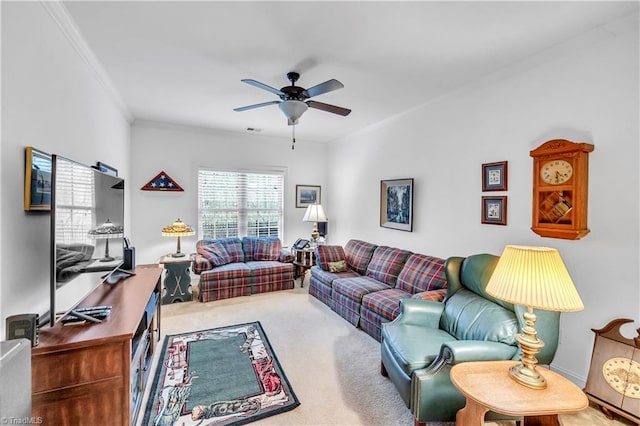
x=37, y=180
x=105, y=168
x=494, y=210
x=307, y=195
x=396, y=204
x=494, y=176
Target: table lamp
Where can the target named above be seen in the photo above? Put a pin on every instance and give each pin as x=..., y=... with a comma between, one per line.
x=535, y=277
x=315, y=214
x=106, y=231
x=178, y=229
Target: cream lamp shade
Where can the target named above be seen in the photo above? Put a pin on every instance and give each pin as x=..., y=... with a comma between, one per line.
x=178, y=229
x=535, y=277
x=106, y=231
x=315, y=213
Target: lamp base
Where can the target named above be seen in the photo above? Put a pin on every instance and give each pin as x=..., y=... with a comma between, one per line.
x=107, y=259
x=178, y=255
x=528, y=377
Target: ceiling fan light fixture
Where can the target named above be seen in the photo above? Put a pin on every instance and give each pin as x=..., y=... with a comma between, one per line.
x=293, y=110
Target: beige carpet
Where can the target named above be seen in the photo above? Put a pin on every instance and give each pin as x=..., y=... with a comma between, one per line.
x=332, y=366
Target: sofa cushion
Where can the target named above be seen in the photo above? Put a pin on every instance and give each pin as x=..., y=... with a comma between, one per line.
x=358, y=254
x=326, y=254
x=215, y=254
x=384, y=302
x=435, y=295
x=267, y=248
x=355, y=288
x=468, y=316
x=386, y=264
x=233, y=246
x=227, y=273
x=422, y=273
x=328, y=278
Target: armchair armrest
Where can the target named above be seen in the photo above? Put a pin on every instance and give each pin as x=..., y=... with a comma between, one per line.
x=477, y=350
x=425, y=313
x=286, y=256
x=200, y=264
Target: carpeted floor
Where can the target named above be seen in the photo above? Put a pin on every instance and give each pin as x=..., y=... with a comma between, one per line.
x=333, y=367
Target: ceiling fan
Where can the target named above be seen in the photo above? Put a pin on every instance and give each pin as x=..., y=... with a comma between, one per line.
x=294, y=100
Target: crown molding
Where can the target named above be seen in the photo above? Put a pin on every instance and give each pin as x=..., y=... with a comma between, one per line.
x=65, y=22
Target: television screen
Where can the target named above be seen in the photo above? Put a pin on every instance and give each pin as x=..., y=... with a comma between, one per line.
x=87, y=233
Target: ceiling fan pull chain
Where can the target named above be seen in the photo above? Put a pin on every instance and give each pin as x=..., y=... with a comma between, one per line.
x=293, y=133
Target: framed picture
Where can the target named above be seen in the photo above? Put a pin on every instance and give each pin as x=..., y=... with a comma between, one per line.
x=306, y=195
x=494, y=176
x=37, y=180
x=105, y=168
x=396, y=204
x=494, y=210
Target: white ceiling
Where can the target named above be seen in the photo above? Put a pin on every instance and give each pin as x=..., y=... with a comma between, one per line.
x=182, y=62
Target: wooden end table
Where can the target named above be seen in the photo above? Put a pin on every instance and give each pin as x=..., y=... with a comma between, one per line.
x=487, y=386
x=177, y=280
x=304, y=260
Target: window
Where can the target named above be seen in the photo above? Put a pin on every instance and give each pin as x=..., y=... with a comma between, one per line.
x=239, y=204
x=75, y=206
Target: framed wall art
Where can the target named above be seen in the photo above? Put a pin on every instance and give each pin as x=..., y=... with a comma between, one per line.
x=494, y=210
x=306, y=195
x=162, y=182
x=494, y=176
x=37, y=180
x=396, y=204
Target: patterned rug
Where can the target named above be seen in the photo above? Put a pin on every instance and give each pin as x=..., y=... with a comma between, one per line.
x=222, y=376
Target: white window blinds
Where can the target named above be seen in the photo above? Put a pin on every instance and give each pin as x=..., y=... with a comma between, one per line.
x=240, y=204
x=75, y=206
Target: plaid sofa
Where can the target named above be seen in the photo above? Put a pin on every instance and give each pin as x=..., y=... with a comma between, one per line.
x=232, y=267
x=367, y=290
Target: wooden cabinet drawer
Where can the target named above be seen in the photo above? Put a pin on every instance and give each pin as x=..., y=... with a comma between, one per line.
x=75, y=367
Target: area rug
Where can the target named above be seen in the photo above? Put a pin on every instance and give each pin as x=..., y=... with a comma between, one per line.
x=222, y=376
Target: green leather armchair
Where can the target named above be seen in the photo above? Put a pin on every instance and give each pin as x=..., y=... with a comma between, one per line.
x=427, y=338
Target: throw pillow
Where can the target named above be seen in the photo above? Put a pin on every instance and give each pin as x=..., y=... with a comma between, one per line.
x=215, y=253
x=326, y=254
x=340, y=266
x=267, y=248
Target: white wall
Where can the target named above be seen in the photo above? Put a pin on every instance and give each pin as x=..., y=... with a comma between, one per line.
x=53, y=101
x=586, y=95
x=180, y=151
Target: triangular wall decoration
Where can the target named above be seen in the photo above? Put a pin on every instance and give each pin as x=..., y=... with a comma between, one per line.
x=162, y=182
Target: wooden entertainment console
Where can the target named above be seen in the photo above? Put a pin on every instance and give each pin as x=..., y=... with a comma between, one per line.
x=96, y=373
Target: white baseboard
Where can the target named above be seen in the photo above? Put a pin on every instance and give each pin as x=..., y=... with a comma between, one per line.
x=580, y=381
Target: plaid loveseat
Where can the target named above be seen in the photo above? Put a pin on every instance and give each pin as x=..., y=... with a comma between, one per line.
x=232, y=267
x=364, y=283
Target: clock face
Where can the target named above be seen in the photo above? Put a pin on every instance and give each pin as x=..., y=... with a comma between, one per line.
x=556, y=172
x=623, y=375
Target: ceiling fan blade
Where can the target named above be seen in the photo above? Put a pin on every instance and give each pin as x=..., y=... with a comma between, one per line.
x=244, y=108
x=327, y=86
x=329, y=108
x=263, y=86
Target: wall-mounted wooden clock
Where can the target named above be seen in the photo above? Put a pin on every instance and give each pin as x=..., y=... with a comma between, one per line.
x=614, y=375
x=560, y=189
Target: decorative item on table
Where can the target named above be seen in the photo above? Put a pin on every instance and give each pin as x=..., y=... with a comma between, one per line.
x=162, y=182
x=494, y=176
x=178, y=229
x=315, y=213
x=106, y=231
x=396, y=204
x=535, y=277
x=494, y=210
x=37, y=180
x=307, y=195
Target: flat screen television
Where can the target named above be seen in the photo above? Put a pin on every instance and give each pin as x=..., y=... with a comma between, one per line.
x=87, y=232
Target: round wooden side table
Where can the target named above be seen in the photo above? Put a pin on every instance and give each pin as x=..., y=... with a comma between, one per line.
x=487, y=386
